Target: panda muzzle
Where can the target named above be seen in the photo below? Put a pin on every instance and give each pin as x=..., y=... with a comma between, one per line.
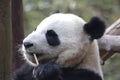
x=37, y=54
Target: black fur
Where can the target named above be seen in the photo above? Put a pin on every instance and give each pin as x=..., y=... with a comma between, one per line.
x=27, y=44
x=79, y=74
x=24, y=73
x=56, y=11
x=52, y=38
x=47, y=72
x=95, y=28
x=53, y=72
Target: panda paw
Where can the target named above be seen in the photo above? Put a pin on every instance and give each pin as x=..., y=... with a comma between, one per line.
x=47, y=72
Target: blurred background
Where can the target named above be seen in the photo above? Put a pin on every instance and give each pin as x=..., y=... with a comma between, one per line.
x=108, y=10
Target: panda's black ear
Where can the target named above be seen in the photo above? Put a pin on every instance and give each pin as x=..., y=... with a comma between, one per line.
x=56, y=11
x=95, y=28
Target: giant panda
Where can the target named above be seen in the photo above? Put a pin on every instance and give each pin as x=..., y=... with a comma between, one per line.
x=66, y=48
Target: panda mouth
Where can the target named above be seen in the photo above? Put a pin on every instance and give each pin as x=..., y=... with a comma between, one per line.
x=42, y=58
x=37, y=54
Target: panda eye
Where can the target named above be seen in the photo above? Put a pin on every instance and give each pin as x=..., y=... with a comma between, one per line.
x=52, y=38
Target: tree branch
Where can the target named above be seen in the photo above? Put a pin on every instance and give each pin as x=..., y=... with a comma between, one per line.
x=109, y=44
x=114, y=29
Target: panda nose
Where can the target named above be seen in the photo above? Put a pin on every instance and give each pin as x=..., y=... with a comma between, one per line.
x=28, y=44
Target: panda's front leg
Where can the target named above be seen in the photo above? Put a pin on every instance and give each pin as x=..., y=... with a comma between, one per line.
x=47, y=72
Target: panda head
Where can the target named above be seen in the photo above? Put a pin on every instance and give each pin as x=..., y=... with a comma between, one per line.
x=62, y=38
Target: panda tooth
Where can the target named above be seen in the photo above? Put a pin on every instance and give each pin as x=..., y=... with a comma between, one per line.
x=37, y=62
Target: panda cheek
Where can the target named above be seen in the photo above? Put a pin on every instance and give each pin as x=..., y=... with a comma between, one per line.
x=52, y=38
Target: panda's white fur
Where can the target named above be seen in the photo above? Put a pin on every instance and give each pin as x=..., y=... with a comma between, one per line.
x=75, y=47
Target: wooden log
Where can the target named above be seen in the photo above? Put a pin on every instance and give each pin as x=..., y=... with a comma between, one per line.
x=17, y=32
x=114, y=29
x=110, y=43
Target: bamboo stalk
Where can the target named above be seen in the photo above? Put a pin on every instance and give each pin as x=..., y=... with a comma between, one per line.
x=37, y=62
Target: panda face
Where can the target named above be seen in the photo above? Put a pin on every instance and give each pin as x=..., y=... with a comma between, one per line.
x=59, y=38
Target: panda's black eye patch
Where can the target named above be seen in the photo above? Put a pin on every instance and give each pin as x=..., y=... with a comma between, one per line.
x=52, y=38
